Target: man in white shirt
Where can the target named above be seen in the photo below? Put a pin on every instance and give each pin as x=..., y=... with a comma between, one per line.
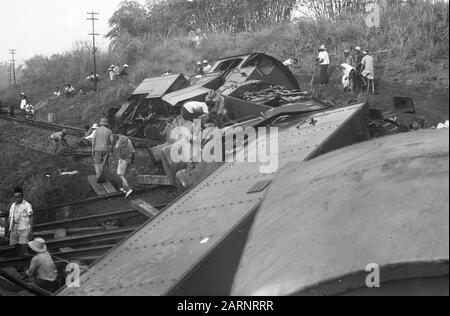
x=348, y=77
x=193, y=110
x=112, y=74
x=23, y=101
x=323, y=60
x=20, y=221
x=291, y=62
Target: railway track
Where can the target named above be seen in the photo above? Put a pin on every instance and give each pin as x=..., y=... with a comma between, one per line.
x=74, y=131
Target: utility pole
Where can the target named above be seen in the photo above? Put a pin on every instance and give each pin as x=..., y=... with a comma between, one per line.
x=93, y=19
x=10, y=75
x=13, y=64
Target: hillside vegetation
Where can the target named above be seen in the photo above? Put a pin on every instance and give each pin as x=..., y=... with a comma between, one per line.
x=411, y=46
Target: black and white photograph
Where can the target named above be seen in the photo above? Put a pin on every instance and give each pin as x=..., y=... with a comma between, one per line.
x=224, y=154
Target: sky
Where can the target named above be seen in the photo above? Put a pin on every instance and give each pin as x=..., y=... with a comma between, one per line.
x=50, y=26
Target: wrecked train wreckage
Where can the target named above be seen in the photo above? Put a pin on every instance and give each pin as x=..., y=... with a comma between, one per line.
x=158, y=101
x=254, y=87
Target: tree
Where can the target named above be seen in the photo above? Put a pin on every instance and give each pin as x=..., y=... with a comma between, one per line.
x=162, y=19
x=131, y=18
x=331, y=9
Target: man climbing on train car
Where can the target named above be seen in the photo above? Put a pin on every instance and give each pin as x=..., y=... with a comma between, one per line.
x=218, y=113
x=193, y=110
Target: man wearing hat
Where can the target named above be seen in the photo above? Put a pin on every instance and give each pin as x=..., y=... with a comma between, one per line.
x=102, y=143
x=112, y=74
x=126, y=153
x=23, y=101
x=91, y=132
x=124, y=71
x=323, y=60
x=42, y=267
x=20, y=221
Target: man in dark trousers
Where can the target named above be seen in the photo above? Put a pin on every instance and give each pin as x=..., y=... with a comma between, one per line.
x=323, y=60
x=359, y=57
x=102, y=144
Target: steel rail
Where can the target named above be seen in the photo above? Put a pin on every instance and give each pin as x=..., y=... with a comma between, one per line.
x=75, y=131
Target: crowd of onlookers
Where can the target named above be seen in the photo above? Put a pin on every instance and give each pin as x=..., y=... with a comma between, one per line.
x=357, y=65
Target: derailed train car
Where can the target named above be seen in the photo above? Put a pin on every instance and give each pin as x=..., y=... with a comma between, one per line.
x=158, y=101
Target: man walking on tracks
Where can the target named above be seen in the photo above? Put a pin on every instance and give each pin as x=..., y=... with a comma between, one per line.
x=20, y=222
x=101, y=146
x=126, y=153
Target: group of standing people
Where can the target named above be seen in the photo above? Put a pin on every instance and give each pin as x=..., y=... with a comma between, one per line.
x=358, y=69
x=203, y=68
x=117, y=72
x=103, y=142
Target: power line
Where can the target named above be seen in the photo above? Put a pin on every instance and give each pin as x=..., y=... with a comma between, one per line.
x=13, y=65
x=93, y=19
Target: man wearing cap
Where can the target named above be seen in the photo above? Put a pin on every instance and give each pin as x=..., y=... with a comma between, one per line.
x=323, y=60
x=102, y=143
x=59, y=140
x=206, y=66
x=368, y=70
x=42, y=267
x=20, y=222
x=91, y=132
x=126, y=154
